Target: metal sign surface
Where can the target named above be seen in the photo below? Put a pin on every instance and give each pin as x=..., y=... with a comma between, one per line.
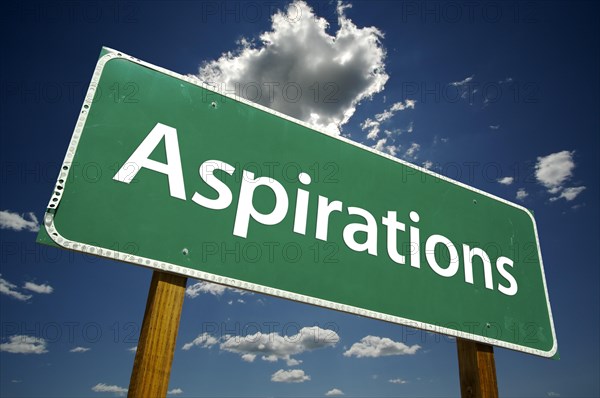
x=170, y=174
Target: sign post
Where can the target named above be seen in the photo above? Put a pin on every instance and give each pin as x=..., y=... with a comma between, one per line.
x=477, y=370
x=156, y=345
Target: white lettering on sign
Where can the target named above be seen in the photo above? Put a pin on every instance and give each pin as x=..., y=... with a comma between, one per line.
x=325, y=208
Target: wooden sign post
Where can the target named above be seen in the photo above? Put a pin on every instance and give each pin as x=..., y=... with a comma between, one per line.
x=156, y=346
x=477, y=370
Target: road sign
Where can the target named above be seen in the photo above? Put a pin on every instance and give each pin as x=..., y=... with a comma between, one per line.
x=164, y=172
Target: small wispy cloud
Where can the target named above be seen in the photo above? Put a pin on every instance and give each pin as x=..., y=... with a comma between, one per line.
x=204, y=340
x=11, y=290
x=373, y=126
x=569, y=194
x=101, y=387
x=40, y=289
x=80, y=349
x=18, y=222
x=289, y=376
x=463, y=81
x=382, y=146
x=506, y=180
x=335, y=392
x=398, y=381
x=175, y=391
x=199, y=288
x=495, y=126
x=411, y=152
x=22, y=344
x=521, y=194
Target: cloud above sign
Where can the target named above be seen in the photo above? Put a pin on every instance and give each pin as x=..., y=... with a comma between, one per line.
x=301, y=70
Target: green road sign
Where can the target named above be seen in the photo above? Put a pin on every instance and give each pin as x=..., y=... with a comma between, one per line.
x=164, y=172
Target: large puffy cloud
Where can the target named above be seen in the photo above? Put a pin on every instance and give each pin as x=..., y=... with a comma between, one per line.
x=270, y=347
x=333, y=72
x=374, y=347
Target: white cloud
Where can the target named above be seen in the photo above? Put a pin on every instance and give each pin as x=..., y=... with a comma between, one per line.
x=270, y=347
x=41, y=289
x=335, y=392
x=132, y=349
x=293, y=362
x=273, y=347
x=175, y=391
x=333, y=71
x=80, y=349
x=196, y=289
x=506, y=180
x=506, y=80
x=17, y=222
x=462, y=82
x=554, y=170
x=389, y=149
x=289, y=376
x=428, y=164
x=21, y=344
x=101, y=387
x=248, y=357
x=373, y=126
x=199, y=288
x=553, y=394
x=391, y=111
x=411, y=152
x=374, y=347
x=569, y=194
x=10, y=290
x=204, y=340
x=398, y=381
x=495, y=127
x=522, y=194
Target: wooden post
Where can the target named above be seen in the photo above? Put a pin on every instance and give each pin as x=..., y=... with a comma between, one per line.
x=477, y=370
x=156, y=346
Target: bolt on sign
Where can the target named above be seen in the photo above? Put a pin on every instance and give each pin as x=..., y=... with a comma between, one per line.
x=165, y=172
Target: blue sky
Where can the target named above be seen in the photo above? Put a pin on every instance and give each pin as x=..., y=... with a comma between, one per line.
x=501, y=96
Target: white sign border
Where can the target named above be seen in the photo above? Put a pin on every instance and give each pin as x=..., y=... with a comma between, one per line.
x=238, y=284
